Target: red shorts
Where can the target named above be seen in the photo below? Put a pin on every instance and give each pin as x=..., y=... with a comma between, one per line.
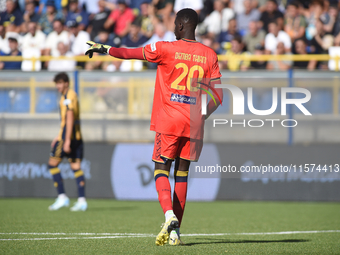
x=169, y=147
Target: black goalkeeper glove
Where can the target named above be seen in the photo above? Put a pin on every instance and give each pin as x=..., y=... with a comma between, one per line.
x=97, y=47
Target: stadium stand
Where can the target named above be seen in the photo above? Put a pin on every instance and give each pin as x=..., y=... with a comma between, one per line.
x=249, y=37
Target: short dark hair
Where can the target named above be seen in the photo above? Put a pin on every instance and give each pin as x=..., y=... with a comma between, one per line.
x=59, y=20
x=137, y=22
x=274, y=22
x=318, y=2
x=301, y=39
x=233, y=18
x=294, y=3
x=12, y=39
x=188, y=16
x=61, y=77
x=333, y=5
x=237, y=38
x=273, y=1
x=103, y=30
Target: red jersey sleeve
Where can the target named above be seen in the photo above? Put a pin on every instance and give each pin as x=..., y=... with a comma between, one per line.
x=153, y=52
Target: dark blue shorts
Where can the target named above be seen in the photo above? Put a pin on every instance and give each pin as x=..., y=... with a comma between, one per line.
x=76, y=154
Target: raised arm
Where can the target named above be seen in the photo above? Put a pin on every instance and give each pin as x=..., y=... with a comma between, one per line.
x=122, y=53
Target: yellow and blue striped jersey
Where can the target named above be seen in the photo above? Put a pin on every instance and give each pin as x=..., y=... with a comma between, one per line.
x=69, y=101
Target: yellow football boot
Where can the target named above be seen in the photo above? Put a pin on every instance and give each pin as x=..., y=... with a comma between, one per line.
x=167, y=227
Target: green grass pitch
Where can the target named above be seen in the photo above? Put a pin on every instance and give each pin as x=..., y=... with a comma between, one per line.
x=129, y=227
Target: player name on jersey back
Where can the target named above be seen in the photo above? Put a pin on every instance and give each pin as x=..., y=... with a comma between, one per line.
x=189, y=57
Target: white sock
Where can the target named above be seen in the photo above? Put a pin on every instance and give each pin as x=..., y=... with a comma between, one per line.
x=169, y=214
x=62, y=195
x=175, y=232
x=81, y=199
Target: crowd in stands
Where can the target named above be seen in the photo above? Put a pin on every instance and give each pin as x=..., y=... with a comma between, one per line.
x=32, y=28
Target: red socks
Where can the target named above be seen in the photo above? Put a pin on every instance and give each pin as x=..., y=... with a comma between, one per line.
x=163, y=189
x=180, y=194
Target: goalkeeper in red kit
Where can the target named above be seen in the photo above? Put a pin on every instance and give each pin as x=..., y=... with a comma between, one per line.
x=179, y=130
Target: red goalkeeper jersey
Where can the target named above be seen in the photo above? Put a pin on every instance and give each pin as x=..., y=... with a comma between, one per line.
x=176, y=106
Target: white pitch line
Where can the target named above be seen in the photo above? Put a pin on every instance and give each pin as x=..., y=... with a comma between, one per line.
x=128, y=235
x=65, y=238
x=82, y=234
x=268, y=233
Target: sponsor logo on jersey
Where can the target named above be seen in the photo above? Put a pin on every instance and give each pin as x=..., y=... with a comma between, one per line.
x=153, y=46
x=183, y=99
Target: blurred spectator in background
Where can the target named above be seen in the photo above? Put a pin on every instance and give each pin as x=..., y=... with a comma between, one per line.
x=21, y=5
x=14, y=51
x=135, y=38
x=135, y=4
x=269, y=15
x=258, y=51
x=250, y=14
x=98, y=21
x=65, y=64
x=78, y=38
x=300, y=48
x=234, y=64
x=280, y=65
x=91, y=6
x=161, y=34
x=121, y=18
x=313, y=14
x=162, y=9
x=58, y=35
x=30, y=14
x=211, y=43
x=47, y=20
x=294, y=24
x=44, y=3
x=325, y=16
x=321, y=42
x=260, y=4
x=254, y=37
x=333, y=26
x=196, y=5
x=274, y=37
x=237, y=6
x=228, y=35
x=336, y=32
x=109, y=4
x=12, y=17
x=2, y=5
x=208, y=7
x=33, y=44
x=4, y=47
x=218, y=20
x=77, y=14
x=147, y=26
x=318, y=20
x=103, y=38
